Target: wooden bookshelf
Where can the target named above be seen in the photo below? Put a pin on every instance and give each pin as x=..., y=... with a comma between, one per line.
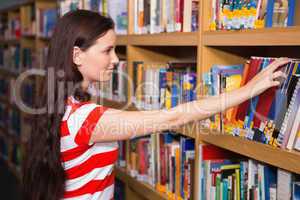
x=164, y=39
x=259, y=37
x=9, y=41
x=13, y=5
x=143, y=189
x=284, y=159
x=208, y=47
x=122, y=40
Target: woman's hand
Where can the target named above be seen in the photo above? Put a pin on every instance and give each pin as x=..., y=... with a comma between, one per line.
x=267, y=78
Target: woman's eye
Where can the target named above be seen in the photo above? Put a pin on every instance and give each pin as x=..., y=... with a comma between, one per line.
x=107, y=51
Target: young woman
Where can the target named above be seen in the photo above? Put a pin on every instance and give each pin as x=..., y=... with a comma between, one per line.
x=72, y=149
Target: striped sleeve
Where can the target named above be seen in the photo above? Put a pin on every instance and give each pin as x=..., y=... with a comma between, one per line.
x=82, y=122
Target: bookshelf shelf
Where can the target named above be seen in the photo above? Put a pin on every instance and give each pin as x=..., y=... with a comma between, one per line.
x=122, y=40
x=13, y=5
x=165, y=39
x=259, y=37
x=255, y=150
x=9, y=41
x=44, y=38
x=189, y=130
x=8, y=73
x=141, y=188
x=29, y=36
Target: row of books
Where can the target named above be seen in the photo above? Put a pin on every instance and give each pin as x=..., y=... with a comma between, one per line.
x=28, y=22
x=46, y=20
x=10, y=118
x=10, y=58
x=225, y=175
x=165, y=85
x=165, y=161
x=155, y=16
x=7, y=89
x=4, y=87
x=251, y=14
x=272, y=117
x=10, y=151
x=116, y=88
x=16, y=59
x=116, y=9
x=13, y=30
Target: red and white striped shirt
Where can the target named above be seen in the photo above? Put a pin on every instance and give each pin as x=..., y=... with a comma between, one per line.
x=88, y=166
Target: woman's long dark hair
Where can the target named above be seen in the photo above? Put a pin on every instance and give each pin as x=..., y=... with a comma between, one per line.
x=43, y=173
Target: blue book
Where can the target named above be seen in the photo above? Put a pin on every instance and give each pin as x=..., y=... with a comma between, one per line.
x=291, y=13
x=269, y=16
x=225, y=189
x=270, y=177
x=296, y=191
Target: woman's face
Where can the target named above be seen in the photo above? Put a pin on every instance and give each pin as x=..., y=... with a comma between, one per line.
x=98, y=61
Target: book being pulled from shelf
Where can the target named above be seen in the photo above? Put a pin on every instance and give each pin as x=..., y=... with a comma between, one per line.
x=165, y=161
x=156, y=16
x=252, y=14
x=116, y=9
x=159, y=86
x=226, y=175
x=273, y=117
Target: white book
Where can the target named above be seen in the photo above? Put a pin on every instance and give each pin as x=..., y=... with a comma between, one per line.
x=187, y=16
x=135, y=18
x=163, y=15
x=87, y=4
x=284, y=179
x=294, y=131
x=170, y=7
x=140, y=18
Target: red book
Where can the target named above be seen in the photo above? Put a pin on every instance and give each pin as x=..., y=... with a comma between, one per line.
x=163, y=171
x=253, y=69
x=264, y=105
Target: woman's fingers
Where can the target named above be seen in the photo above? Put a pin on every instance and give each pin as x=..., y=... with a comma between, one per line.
x=279, y=77
x=279, y=62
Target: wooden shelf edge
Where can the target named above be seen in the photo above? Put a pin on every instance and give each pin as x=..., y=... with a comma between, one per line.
x=139, y=187
x=277, y=157
x=10, y=41
x=164, y=39
x=15, y=5
x=288, y=36
x=122, y=40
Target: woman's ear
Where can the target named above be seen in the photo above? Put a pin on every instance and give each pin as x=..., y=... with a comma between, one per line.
x=77, y=56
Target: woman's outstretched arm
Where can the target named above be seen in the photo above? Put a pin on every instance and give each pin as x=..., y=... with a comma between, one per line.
x=118, y=124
